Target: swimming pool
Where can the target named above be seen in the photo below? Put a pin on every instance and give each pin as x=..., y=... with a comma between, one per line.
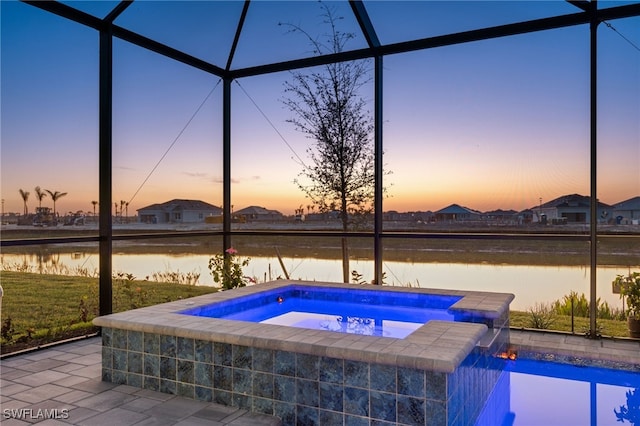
x=532, y=393
x=365, y=312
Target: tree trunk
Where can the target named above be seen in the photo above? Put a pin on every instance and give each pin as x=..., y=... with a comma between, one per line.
x=345, y=260
x=345, y=227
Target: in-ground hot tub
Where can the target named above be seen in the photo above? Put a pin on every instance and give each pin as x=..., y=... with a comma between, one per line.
x=345, y=310
x=438, y=373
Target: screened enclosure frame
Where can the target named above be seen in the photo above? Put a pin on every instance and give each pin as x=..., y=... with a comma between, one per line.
x=586, y=13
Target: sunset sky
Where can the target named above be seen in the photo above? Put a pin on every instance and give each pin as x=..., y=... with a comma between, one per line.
x=493, y=124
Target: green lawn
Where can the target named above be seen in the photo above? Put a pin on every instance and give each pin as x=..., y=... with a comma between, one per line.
x=39, y=309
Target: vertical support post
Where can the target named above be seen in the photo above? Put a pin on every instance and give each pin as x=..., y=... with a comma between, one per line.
x=593, y=223
x=379, y=171
x=105, y=230
x=226, y=164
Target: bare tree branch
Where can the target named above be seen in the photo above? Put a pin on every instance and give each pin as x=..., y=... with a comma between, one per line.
x=328, y=108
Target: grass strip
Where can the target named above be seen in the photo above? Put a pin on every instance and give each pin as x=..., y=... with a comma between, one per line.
x=40, y=308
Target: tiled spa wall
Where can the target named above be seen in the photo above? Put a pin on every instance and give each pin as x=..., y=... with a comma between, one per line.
x=299, y=388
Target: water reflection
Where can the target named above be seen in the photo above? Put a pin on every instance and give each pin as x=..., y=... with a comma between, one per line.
x=542, y=393
x=631, y=410
x=530, y=283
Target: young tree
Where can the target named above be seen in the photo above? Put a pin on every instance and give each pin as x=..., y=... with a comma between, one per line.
x=55, y=195
x=40, y=194
x=329, y=109
x=25, y=196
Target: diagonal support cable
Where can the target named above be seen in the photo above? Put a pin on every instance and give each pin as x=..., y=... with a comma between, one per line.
x=271, y=124
x=175, y=140
x=620, y=34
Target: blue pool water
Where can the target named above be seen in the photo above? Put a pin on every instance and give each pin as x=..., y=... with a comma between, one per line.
x=539, y=393
x=368, y=312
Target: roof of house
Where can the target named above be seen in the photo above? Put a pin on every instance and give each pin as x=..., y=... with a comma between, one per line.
x=572, y=200
x=256, y=210
x=630, y=204
x=457, y=209
x=500, y=212
x=179, y=204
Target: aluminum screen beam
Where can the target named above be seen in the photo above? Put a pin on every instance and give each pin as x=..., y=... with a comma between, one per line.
x=68, y=12
x=581, y=4
x=554, y=22
x=236, y=38
x=167, y=51
x=91, y=21
x=226, y=165
x=121, y=7
x=593, y=199
x=378, y=82
x=542, y=24
x=105, y=172
x=365, y=23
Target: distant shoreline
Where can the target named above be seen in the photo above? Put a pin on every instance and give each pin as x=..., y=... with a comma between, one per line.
x=13, y=231
x=619, y=247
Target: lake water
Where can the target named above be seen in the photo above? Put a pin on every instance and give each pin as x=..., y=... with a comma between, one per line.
x=531, y=284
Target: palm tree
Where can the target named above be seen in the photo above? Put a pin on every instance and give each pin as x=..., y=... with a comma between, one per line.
x=95, y=203
x=55, y=195
x=25, y=196
x=40, y=194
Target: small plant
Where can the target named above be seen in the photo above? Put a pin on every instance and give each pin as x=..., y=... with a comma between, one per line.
x=30, y=331
x=125, y=295
x=84, y=310
x=586, y=331
x=188, y=278
x=8, y=329
x=358, y=278
x=88, y=305
x=630, y=290
x=87, y=309
x=226, y=269
x=541, y=316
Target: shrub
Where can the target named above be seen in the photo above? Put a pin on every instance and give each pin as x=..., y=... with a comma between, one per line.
x=226, y=269
x=125, y=295
x=541, y=316
x=581, y=307
x=630, y=290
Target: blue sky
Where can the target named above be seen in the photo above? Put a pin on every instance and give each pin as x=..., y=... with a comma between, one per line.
x=492, y=124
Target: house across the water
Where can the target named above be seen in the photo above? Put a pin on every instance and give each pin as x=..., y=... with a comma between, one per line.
x=627, y=212
x=573, y=208
x=178, y=211
x=256, y=213
x=457, y=213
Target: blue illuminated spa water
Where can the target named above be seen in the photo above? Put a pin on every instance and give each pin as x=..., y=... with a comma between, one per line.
x=379, y=313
